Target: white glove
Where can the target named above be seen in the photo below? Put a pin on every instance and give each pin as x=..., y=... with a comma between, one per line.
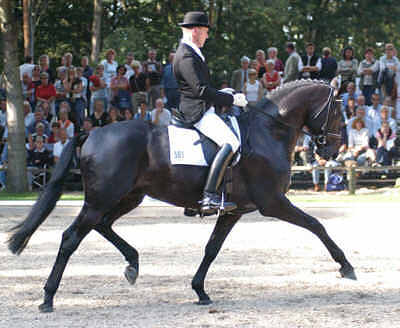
x=239, y=99
x=228, y=90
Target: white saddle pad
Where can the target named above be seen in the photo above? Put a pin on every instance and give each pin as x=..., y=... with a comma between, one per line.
x=183, y=148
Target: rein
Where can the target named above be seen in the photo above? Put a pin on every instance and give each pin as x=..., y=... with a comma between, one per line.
x=317, y=138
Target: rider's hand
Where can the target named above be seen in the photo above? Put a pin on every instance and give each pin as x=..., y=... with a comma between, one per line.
x=239, y=99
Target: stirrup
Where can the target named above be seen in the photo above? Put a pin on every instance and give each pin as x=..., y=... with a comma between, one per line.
x=213, y=204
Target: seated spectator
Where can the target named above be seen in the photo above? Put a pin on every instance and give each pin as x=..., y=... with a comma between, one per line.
x=302, y=151
x=45, y=107
x=160, y=115
x=28, y=88
x=350, y=94
x=374, y=110
x=65, y=123
x=253, y=88
x=61, y=93
x=278, y=64
x=38, y=115
x=349, y=111
x=113, y=115
x=87, y=125
x=360, y=113
x=54, y=135
x=388, y=102
x=36, y=76
x=358, y=149
x=45, y=92
x=99, y=117
x=328, y=164
x=384, y=117
x=39, y=156
x=271, y=78
x=386, y=150
x=59, y=146
x=39, y=133
x=29, y=118
x=98, y=88
x=143, y=114
x=128, y=114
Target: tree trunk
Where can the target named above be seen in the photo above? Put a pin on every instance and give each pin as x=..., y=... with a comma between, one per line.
x=16, y=172
x=96, y=30
x=28, y=28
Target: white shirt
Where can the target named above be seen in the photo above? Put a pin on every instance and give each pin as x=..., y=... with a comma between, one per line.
x=358, y=137
x=301, y=65
x=163, y=119
x=110, y=70
x=129, y=71
x=195, y=48
x=29, y=119
x=369, y=125
x=26, y=68
x=58, y=148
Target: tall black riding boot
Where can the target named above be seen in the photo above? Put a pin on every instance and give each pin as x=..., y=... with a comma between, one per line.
x=211, y=199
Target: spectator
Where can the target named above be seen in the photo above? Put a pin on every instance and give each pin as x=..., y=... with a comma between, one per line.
x=261, y=63
x=368, y=124
x=38, y=115
x=278, y=64
x=143, y=114
x=44, y=64
x=98, y=87
x=39, y=156
x=113, y=115
x=388, y=102
x=292, y=64
x=128, y=62
x=28, y=88
x=241, y=75
x=386, y=150
x=138, y=85
x=253, y=88
x=384, y=117
x=29, y=118
x=40, y=132
x=253, y=64
x=99, y=117
x=368, y=70
x=271, y=78
x=349, y=111
x=110, y=68
x=45, y=107
x=59, y=146
x=374, y=109
x=160, y=115
x=54, y=134
x=309, y=64
x=121, y=97
x=87, y=125
x=83, y=94
x=64, y=121
x=87, y=70
x=36, y=76
x=68, y=60
x=61, y=93
x=347, y=68
x=128, y=114
x=74, y=87
x=388, y=66
x=350, y=94
x=169, y=86
x=26, y=67
x=359, y=143
x=302, y=150
x=328, y=65
x=153, y=69
x=45, y=92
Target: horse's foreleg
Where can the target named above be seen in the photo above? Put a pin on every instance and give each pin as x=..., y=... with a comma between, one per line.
x=131, y=255
x=283, y=209
x=71, y=239
x=222, y=228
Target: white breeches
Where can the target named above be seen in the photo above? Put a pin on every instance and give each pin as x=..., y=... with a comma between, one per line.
x=212, y=126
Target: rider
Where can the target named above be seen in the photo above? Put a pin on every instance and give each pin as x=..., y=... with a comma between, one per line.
x=192, y=75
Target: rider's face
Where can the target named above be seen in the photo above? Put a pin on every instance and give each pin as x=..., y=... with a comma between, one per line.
x=200, y=36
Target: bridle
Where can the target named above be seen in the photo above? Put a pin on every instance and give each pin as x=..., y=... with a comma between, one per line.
x=321, y=138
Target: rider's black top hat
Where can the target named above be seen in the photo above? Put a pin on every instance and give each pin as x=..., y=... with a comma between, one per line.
x=195, y=18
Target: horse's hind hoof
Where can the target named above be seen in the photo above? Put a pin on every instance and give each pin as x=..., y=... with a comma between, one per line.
x=46, y=308
x=131, y=274
x=204, y=302
x=348, y=273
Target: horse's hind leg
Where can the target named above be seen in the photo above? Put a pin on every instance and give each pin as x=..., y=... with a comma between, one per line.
x=222, y=228
x=131, y=255
x=283, y=209
x=71, y=239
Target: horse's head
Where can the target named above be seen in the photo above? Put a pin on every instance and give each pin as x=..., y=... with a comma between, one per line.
x=324, y=120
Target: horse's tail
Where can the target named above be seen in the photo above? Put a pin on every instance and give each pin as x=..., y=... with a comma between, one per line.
x=45, y=203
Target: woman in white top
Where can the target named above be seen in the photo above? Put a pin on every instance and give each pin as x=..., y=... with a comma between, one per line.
x=359, y=143
x=253, y=88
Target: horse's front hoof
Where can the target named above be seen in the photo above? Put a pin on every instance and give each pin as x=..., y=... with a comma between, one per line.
x=348, y=273
x=131, y=274
x=46, y=308
x=204, y=302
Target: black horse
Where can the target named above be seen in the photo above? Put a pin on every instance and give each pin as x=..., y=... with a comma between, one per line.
x=123, y=162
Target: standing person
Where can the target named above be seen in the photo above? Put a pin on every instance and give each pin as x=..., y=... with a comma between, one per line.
x=44, y=63
x=121, y=97
x=241, y=75
x=110, y=69
x=191, y=72
x=347, y=68
x=253, y=88
x=367, y=70
x=87, y=70
x=271, y=78
x=138, y=83
x=98, y=88
x=292, y=64
x=160, y=116
x=169, y=86
x=128, y=62
x=26, y=67
x=328, y=65
x=310, y=64
x=45, y=92
x=278, y=64
x=153, y=69
x=261, y=63
x=388, y=66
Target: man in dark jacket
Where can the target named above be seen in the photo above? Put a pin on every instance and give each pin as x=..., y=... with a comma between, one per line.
x=192, y=75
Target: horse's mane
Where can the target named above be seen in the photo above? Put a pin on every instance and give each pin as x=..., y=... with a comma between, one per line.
x=287, y=88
